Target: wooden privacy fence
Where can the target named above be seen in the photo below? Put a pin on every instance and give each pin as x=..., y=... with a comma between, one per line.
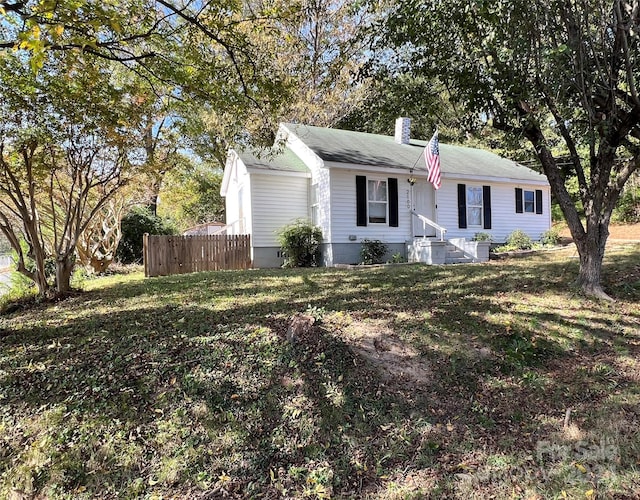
x=166, y=255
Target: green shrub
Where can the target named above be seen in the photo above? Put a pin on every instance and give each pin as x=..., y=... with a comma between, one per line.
x=550, y=237
x=138, y=221
x=482, y=237
x=30, y=264
x=517, y=240
x=372, y=251
x=398, y=258
x=300, y=242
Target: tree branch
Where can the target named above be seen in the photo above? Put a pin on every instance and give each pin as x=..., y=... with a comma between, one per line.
x=621, y=31
x=194, y=21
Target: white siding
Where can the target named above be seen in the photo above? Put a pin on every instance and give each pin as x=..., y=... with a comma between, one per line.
x=238, y=180
x=319, y=176
x=277, y=200
x=308, y=157
x=322, y=179
x=343, y=210
x=504, y=218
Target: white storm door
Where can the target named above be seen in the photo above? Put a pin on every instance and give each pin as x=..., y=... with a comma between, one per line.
x=423, y=204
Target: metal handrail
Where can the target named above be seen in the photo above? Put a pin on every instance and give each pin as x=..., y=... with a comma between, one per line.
x=426, y=221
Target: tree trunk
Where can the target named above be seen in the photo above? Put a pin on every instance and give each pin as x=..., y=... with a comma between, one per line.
x=591, y=248
x=591, y=254
x=36, y=252
x=64, y=268
x=40, y=277
x=592, y=241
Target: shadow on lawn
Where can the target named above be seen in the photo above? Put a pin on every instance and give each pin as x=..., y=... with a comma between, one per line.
x=244, y=401
x=263, y=404
x=204, y=388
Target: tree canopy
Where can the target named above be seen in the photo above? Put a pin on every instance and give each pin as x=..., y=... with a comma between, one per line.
x=207, y=75
x=190, y=195
x=194, y=52
x=554, y=72
x=70, y=138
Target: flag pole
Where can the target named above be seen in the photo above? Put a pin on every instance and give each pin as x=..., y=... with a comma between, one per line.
x=416, y=162
x=422, y=154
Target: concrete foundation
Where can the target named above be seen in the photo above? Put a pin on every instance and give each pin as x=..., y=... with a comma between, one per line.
x=428, y=251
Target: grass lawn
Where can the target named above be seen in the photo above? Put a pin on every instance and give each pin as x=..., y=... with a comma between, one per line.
x=447, y=382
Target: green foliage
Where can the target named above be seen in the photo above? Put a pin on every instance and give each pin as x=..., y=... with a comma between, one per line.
x=401, y=95
x=373, y=251
x=18, y=290
x=573, y=189
x=556, y=213
x=71, y=140
x=135, y=224
x=398, y=258
x=482, y=236
x=316, y=312
x=550, y=237
x=79, y=277
x=49, y=262
x=190, y=195
x=518, y=64
x=174, y=52
x=300, y=242
x=628, y=207
x=517, y=240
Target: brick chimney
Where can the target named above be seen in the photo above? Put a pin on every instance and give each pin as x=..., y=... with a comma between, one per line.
x=403, y=130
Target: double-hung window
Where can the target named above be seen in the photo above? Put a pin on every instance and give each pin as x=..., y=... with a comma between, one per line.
x=528, y=201
x=377, y=199
x=315, y=207
x=474, y=205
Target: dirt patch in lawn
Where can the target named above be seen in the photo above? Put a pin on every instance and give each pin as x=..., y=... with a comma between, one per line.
x=387, y=353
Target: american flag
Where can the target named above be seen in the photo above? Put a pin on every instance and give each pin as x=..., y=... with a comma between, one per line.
x=432, y=159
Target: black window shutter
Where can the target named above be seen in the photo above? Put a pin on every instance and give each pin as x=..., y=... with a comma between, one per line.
x=393, y=202
x=486, y=206
x=518, y=200
x=538, y=201
x=462, y=206
x=361, y=200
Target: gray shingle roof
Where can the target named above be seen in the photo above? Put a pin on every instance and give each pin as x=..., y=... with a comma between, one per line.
x=274, y=159
x=345, y=146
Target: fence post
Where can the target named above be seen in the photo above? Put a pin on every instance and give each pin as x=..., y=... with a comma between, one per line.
x=145, y=253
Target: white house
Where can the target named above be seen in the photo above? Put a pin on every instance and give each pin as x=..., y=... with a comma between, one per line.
x=359, y=186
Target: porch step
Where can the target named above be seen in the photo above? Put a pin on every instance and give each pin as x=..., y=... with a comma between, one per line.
x=455, y=256
x=457, y=260
x=434, y=251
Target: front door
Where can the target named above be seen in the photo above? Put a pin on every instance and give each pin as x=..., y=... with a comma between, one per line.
x=423, y=203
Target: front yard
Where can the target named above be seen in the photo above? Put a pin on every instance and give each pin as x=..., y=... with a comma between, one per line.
x=454, y=381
